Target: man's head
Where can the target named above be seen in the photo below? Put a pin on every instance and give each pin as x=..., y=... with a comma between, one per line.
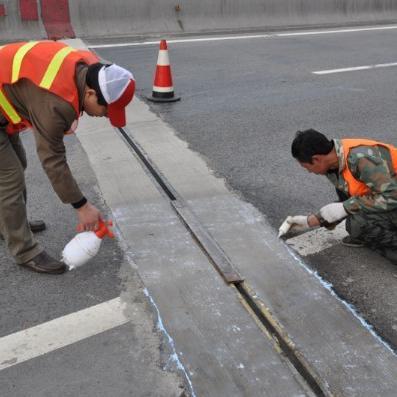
x=314, y=151
x=109, y=89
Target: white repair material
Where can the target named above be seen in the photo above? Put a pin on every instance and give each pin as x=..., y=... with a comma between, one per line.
x=78, y=251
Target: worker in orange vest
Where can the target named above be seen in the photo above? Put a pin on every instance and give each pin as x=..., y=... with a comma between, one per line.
x=47, y=85
x=364, y=173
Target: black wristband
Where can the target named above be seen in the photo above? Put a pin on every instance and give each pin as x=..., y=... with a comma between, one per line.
x=80, y=203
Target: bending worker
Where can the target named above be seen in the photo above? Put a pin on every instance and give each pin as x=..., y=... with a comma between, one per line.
x=46, y=86
x=364, y=174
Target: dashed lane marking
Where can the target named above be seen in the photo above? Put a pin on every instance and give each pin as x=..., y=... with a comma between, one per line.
x=317, y=240
x=355, y=68
x=351, y=30
x=60, y=332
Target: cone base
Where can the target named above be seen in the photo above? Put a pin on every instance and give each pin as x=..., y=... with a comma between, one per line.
x=159, y=99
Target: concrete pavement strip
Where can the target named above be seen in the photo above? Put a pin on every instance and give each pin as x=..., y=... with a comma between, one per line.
x=199, y=311
x=223, y=350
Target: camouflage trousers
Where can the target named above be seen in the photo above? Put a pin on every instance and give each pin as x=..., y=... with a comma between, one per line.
x=377, y=231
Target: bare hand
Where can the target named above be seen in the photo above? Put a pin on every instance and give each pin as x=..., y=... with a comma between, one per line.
x=89, y=217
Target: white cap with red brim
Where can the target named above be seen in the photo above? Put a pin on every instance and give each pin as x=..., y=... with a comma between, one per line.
x=117, y=86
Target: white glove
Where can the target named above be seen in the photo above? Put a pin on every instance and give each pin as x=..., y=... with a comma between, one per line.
x=333, y=212
x=294, y=223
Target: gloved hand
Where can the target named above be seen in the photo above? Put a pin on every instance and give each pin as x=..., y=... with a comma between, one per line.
x=333, y=212
x=295, y=223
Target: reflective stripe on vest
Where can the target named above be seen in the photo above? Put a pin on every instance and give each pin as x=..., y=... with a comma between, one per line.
x=356, y=187
x=8, y=109
x=5, y=104
x=54, y=66
x=48, y=65
x=18, y=58
x=46, y=82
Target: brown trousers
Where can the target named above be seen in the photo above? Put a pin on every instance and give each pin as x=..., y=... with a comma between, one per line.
x=14, y=225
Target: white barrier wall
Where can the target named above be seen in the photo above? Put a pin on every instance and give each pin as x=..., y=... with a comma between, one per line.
x=13, y=28
x=134, y=17
x=107, y=18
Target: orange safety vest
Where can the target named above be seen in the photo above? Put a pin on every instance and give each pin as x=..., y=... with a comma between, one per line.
x=356, y=187
x=48, y=64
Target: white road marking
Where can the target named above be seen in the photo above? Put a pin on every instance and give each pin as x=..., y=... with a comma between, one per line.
x=355, y=68
x=352, y=30
x=245, y=37
x=44, y=338
x=203, y=39
x=317, y=240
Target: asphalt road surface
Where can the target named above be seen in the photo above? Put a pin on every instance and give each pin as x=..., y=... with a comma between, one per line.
x=86, y=345
x=242, y=102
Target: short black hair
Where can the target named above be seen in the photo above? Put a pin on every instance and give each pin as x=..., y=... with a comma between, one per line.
x=308, y=143
x=92, y=81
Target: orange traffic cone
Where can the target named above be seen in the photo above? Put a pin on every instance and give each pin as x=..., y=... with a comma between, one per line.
x=163, y=90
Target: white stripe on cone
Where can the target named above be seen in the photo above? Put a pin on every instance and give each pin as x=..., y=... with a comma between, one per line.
x=163, y=59
x=163, y=89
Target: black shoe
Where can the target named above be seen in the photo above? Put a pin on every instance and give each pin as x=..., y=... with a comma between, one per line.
x=35, y=227
x=352, y=242
x=43, y=263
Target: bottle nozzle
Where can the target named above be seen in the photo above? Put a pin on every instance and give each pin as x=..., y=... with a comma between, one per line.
x=104, y=229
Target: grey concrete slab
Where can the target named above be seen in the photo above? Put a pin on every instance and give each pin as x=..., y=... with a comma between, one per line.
x=223, y=350
x=347, y=357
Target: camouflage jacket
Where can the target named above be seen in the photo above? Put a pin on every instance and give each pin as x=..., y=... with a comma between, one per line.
x=371, y=165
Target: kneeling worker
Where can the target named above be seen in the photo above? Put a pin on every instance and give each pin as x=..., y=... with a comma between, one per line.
x=47, y=85
x=364, y=174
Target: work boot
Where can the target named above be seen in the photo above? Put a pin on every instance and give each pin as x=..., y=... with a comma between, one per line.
x=349, y=241
x=44, y=263
x=35, y=227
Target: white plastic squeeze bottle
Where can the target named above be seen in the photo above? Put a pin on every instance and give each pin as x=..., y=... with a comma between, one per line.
x=84, y=246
